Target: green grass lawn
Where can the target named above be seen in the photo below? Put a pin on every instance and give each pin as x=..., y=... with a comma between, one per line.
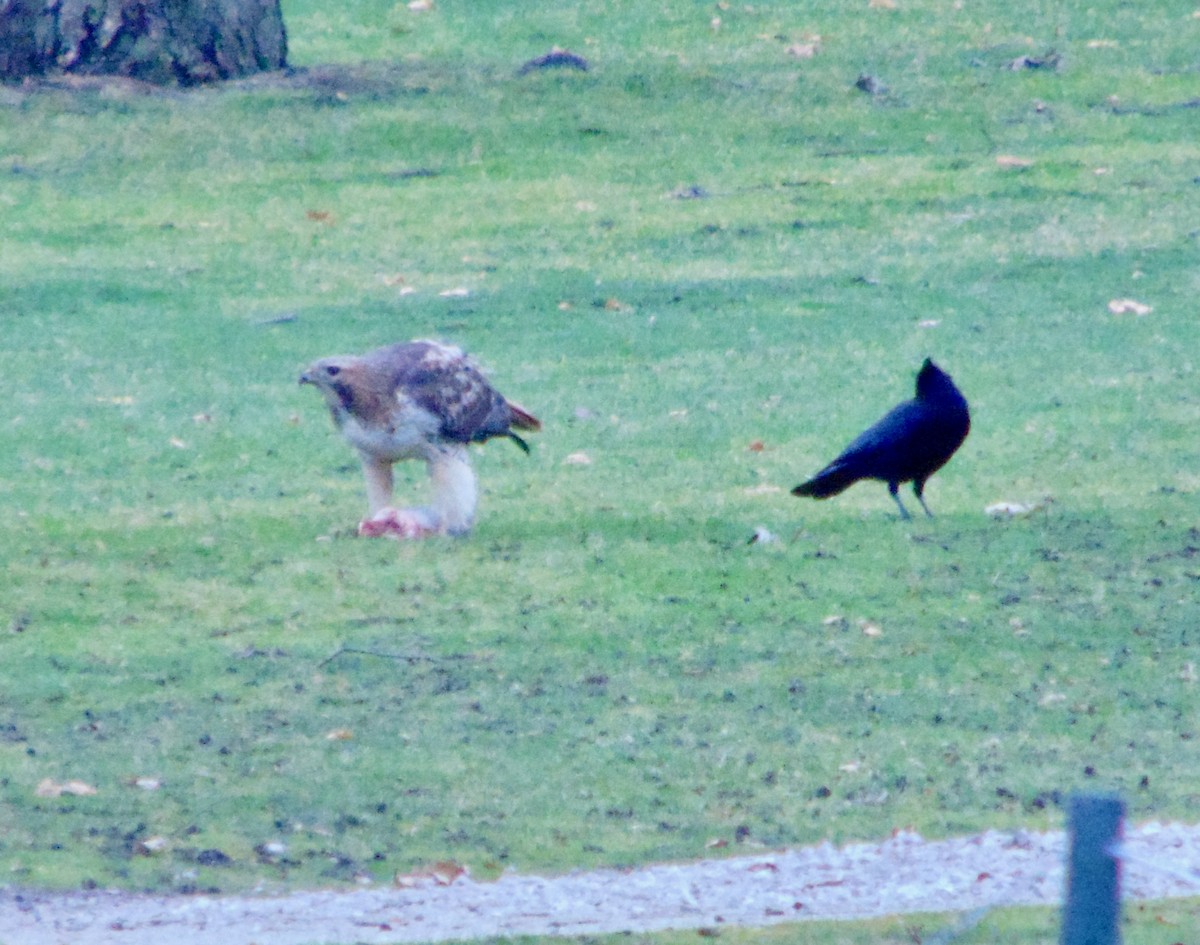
x=1142, y=924
x=703, y=244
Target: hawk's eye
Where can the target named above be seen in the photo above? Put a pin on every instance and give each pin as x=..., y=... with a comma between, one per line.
x=333, y=370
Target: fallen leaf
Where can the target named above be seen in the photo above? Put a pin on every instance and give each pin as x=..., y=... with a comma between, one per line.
x=870, y=629
x=881, y=4
x=1188, y=673
x=1017, y=509
x=178, y=443
x=147, y=784
x=458, y=293
x=802, y=50
x=1129, y=307
x=615, y=305
x=763, y=488
x=1012, y=162
x=577, y=459
x=150, y=846
x=48, y=787
x=320, y=216
x=1007, y=509
x=716, y=843
x=446, y=872
x=756, y=446
x=850, y=767
x=339, y=735
x=420, y=6
x=834, y=620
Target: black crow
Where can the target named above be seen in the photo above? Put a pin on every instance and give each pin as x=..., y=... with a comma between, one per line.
x=912, y=442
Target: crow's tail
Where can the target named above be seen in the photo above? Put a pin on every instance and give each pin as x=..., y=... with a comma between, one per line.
x=834, y=478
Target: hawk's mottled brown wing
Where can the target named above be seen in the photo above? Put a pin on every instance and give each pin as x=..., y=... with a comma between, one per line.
x=443, y=380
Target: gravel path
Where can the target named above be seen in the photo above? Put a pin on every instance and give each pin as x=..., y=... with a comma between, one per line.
x=901, y=875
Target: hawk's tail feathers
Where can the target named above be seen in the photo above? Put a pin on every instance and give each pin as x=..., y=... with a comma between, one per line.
x=522, y=419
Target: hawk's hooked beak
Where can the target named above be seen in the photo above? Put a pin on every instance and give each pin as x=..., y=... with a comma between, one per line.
x=305, y=379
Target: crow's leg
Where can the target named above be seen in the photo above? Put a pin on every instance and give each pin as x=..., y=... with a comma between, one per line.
x=919, y=489
x=893, y=490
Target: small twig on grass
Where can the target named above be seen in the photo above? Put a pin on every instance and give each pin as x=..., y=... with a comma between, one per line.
x=404, y=657
x=555, y=59
x=283, y=319
x=409, y=173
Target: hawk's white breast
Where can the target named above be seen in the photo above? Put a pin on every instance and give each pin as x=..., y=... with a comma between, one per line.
x=410, y=433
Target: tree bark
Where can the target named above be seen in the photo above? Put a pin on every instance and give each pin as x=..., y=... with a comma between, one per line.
x=183, y=42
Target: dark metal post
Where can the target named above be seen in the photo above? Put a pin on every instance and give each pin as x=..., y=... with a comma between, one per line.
x=1092, y=913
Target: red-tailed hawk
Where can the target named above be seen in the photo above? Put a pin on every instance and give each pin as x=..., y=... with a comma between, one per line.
x=419, y=400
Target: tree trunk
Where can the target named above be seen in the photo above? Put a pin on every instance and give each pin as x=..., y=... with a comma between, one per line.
x=162, y=41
